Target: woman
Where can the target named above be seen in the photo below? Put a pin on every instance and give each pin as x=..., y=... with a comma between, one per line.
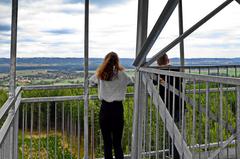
x=112, y=85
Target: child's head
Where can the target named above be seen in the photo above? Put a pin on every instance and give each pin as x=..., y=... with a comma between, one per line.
x=163, y=60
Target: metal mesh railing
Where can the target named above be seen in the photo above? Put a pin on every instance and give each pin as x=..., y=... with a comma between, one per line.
x=51, y=124
x=205, y=111
x=9, y=126
x=49, y=121
x=214, y=70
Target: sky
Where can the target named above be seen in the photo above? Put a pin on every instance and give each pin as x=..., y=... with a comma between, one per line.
x=55, y=28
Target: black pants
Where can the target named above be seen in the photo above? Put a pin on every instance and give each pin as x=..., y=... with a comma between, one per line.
x=111, y=124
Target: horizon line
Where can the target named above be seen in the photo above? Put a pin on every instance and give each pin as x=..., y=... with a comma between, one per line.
x=119, y=58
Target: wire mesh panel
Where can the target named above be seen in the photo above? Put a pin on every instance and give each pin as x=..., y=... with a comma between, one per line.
x=195, y=116
x=51, y=130
x=52, y=127
x=189, y=115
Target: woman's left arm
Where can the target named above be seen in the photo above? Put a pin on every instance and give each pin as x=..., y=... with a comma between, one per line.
x=129, y=80
x=93, y=80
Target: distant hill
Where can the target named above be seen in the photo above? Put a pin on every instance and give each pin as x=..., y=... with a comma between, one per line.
x=56, y=64
x=77, y=64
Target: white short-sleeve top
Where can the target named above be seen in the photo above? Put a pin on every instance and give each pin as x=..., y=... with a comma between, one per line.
x=113, y=90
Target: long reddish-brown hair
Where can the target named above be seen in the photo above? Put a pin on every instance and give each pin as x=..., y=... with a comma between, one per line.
x=109, y=68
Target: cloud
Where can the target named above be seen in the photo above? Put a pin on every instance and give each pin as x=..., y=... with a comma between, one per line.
x=4, y=41
x=103, y=3
x=4, y=28
x=5, y=1
x=55, y=28
x=100, y=3
x=60, y=31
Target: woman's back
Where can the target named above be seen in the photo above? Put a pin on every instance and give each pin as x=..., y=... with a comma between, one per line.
x=113, y=90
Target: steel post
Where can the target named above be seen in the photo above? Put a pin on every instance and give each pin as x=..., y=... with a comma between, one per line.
x=86, y=49
x=12, y=83
x=238, y=122
x=180, y=19
x=139, y=102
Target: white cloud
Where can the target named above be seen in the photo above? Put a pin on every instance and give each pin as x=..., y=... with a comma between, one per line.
x=218, y=35
x=113, y=28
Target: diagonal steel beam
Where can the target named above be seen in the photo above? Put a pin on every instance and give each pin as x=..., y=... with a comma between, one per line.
x=218, y=151
x=157, y=29
x=188, y=32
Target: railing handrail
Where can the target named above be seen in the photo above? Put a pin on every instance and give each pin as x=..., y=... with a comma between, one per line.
x=197, y=77
x=51, y=87
x=62, y=98
x=56, y=87
x=7, y=123
x=10, y=101
x=197, y=66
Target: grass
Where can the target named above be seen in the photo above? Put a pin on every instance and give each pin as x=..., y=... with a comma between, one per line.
x=3, y=96
x=41, y=151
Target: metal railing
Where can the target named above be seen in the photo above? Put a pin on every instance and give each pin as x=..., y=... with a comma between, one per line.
x=191, y=115
x=40, y=122
x=9, y=126
x=215, y=70
x=51, y=125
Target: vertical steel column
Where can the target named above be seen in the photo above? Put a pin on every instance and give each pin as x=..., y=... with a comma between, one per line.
x=180, y=19
x=15, y=127
x=31, y=131
x=12, y=82
x=79, y=128
x=48, y=115
x=86, y=41
x=39, y=129
x=63, y=126
x=150, y=125
x=145, y=122
x=221, y=114
x=183, y=115
x=71, y=132
x=157, y=122
x=23, y=128
x=92, y=133
x=194, y=119
x=173, y=114
x=206, y=120
x=139, y=100
x=164, y=120
x=128, y=126
x=55, y=130
x=238, y=121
